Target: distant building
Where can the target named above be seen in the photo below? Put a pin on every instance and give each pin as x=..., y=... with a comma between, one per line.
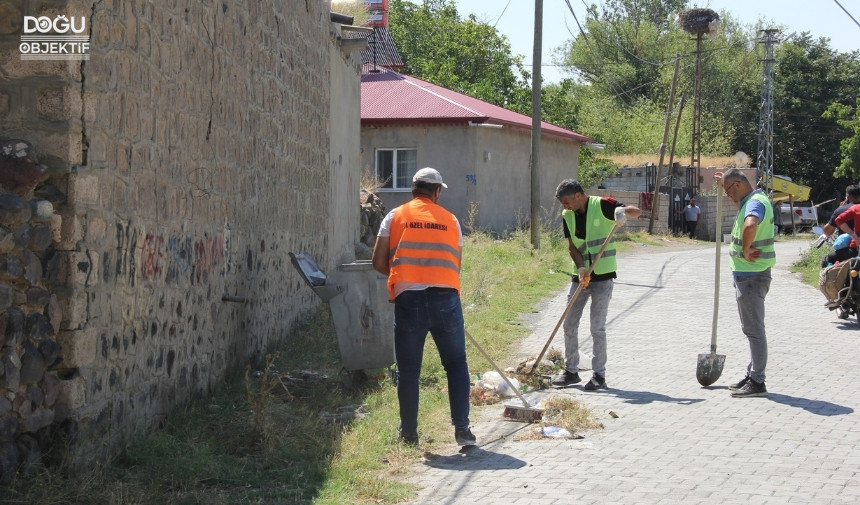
x=378, y=10
x=482, y=150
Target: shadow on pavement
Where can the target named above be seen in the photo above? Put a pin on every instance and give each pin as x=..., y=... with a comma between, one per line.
x=646, y=397
x=817, y=407
x=847, y=324
x=474, y=458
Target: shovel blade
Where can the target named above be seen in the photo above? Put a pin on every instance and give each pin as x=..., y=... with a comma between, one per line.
x=709, y=368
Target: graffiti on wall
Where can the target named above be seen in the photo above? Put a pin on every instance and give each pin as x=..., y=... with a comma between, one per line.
x=171, y=259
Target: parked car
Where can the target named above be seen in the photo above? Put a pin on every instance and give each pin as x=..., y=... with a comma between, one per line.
x=804, y=218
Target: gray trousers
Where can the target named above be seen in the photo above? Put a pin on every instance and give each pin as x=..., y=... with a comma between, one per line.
x=600, y=294
x=750, y=291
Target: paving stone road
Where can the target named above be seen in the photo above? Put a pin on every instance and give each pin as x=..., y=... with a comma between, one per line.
x=673, y=440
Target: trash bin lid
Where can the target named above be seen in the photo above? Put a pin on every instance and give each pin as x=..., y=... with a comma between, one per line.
x=309, y=269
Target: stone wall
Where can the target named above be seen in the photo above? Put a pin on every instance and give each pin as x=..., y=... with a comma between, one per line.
x=181, y=163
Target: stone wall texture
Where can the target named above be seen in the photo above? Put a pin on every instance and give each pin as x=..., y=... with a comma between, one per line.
x=143, y=248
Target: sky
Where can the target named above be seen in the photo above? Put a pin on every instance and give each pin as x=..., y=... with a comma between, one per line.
x=515, y=20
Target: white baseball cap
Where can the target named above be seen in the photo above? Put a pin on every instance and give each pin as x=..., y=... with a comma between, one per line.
x=430, y=175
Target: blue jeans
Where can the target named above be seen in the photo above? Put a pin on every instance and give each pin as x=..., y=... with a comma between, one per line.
x=750, y=291
x=600, y=294
x=437, y=311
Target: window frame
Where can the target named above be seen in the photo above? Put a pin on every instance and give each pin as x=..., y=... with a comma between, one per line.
x=394, y=150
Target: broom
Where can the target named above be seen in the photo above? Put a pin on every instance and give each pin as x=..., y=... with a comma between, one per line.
x=513, y=410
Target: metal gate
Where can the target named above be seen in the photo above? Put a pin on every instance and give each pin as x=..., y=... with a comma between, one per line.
x=678, y=199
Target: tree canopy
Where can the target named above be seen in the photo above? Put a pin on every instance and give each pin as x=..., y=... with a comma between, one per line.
x=623, y=65
x=463, y=55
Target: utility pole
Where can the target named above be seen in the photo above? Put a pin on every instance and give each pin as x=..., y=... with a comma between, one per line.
x=655, y=202
x=764, y=162
x=536, y=116
x=696, y=157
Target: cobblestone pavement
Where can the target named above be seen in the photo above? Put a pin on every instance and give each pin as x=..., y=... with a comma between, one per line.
x=673, y=440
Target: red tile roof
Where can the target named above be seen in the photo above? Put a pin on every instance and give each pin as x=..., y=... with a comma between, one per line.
x=389, y=98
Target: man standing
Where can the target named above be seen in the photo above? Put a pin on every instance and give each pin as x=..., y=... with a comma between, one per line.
x=691, y=217
x=418, y=247
x=751, y=255
x=587, y=222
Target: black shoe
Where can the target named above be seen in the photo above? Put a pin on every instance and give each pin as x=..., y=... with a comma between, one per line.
x=597, y=382
x=739, y=384
x=566, y=379
x=464, y=436
x=750, y=390
x=409, y=438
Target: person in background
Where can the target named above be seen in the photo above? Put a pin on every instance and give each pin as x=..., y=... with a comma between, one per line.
x=587, y=222
x=852, y=196
x=848, y=222
x=691, y=217
x=418, y=247
x=751, y=256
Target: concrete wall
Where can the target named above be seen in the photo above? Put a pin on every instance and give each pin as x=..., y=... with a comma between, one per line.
x=661, y=224
x=344, y=157
x=707, y=227
x=486, y=170
x=184, y=160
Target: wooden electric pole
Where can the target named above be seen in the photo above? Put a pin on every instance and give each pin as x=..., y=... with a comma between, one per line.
x=536, y=116
x=655, y=202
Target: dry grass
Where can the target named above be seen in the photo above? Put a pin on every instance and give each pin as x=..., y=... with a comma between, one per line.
x=354, y=8
x=635, y=160
x=562, y=411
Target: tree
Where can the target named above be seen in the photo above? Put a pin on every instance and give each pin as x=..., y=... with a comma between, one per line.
x=810, y=79
x=466, y=56
x=849, y=146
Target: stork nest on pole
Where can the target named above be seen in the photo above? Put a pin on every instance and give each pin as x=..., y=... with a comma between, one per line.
x=699, y=21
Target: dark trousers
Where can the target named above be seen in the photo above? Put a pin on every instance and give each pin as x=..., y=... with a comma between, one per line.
x=838, y=255
x=691, y=228
x=438, y=312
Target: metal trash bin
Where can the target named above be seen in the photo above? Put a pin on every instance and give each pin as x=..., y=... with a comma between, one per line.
x=363, y=317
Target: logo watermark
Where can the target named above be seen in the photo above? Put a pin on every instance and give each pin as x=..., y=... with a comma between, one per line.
x=60, y=38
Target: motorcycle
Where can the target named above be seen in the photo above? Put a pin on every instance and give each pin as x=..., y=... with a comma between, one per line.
x=840, y=283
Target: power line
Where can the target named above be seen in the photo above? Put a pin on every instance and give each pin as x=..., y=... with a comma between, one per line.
x=846, y=12
x=502, y=14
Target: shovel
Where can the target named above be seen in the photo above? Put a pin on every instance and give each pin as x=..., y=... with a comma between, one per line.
x=710, y=365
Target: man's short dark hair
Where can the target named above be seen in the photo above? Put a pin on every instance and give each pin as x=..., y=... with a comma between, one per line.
x=424, y=188
x=853, y=190
x=568, y=187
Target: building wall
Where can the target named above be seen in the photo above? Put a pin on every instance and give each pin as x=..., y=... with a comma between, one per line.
x=486, y=169
x=191, y=153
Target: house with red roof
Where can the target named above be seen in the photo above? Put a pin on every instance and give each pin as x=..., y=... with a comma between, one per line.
x=481, y=150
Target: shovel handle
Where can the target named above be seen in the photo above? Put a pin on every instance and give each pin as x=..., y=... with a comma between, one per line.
x=573, y=298
x=719, y=240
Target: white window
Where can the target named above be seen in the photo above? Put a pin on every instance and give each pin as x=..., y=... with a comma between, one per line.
x=395, y=167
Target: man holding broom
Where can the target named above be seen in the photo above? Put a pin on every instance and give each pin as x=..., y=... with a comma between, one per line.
x=588, y=222
x=418, y=248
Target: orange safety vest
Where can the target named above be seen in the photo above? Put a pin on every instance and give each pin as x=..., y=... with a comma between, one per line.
x=424, y=246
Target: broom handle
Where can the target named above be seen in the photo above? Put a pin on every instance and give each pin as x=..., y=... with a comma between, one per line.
x=496, y=367
x=573, y=298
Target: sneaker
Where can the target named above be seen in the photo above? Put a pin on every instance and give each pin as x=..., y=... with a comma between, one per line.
x=464, y=436
x=739, y=384
x=409, y=438
x=566, y=379
x=750, y=389
x=597, y=382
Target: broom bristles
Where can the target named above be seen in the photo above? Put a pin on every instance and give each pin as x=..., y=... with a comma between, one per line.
x=518, y=412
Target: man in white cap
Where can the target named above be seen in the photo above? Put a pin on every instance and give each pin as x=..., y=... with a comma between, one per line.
x=418, y=247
